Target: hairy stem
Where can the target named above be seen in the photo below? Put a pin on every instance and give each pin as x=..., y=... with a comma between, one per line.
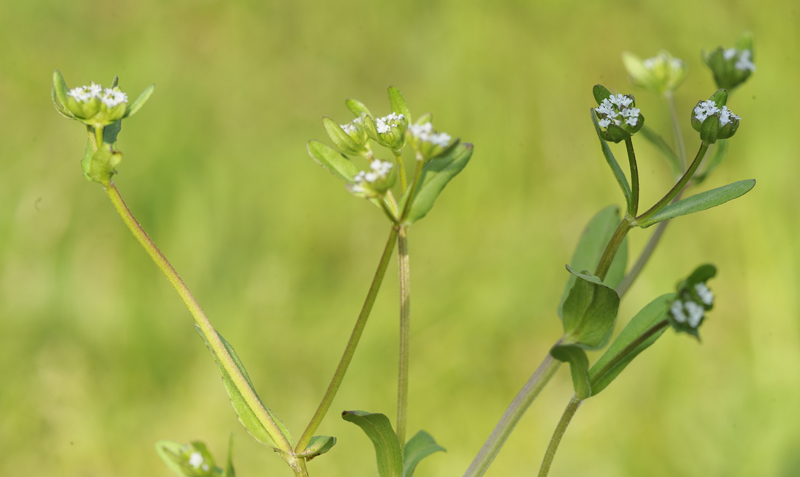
x=566, y=417
x=352, y=343
x=511, y=417
x=202, y=321
x=405, y=334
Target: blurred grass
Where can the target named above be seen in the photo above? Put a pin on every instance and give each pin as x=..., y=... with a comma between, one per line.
x=97, y=353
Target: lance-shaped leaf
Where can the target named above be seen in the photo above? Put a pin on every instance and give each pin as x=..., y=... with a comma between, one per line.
x=700, y=202
x=612, y=162
x=417, y=448
x=672, y=159
x=398, y=103
x=229, y=471
x=388, y=452
x=246, y=415
x=638, y=335
x=709, y=130
x=58, y=93
x=590, y=249
x=318, y=445
x=341, y=139
x=435, y=176
x=135, y=106
x=589, y=312
x=357, y=107
x=334, y=162
x=578, y=366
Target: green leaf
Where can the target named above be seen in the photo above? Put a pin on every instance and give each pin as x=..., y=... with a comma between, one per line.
x=578, y=365
x=720, y=97
x=709, y=130
x=102, y=164
x=318, y=445
x=134, y=107
x=618, y=356
x=170, y=452
x=333, y=161
x=589, y=312
x=114, y=82
x=418, y=447
x=58, y=93
x=435, y=176
x=111, y=132
x=388, y=452
x=600, y=93
x=246, y=415
x=398, y=103
x=659, y=142
x=357, y=107
x=590, y=249
x=701, y=202
x=701, y=274
x=720, y=152
x=177, y=458
x=612, y=162
x=341, y=139
x=229, y=470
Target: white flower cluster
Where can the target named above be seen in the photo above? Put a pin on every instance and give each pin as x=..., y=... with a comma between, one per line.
x=386, y=123
x=617, y=106
x=378, y=170
x=196, y=461
x=690, y=312
x=652, y=63
x=743, y=62
x=708, y=108
x=424, y=132
x=350, y=127
x=108, y=96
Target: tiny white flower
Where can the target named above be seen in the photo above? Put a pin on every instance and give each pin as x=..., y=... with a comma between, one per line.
x=632, y=121
x=386, y=123
x=649, y=63
x=704, y=293
x=604, y=123
x=729, y=53
x=744, y=63
x=370, y=177
x=677, y=311
x=348, y=128
x=195, y=460
x=205, y=467
x=695, y=313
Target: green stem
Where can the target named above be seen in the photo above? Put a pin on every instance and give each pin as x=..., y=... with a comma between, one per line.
x=414, y=187
x=676, y=127
x=512, y=416
x=569, y=412
x=613, y=245
x=202, y=321
x=628, y=349
x=350, y=349
x=402, y=168
x=677, y=188
x=405, y=334
x=634, y=205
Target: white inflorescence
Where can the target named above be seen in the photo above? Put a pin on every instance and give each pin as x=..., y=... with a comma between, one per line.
x=744, y=63
x=677, y=311
x=386, y=123
x=695, y=313
x=424, y=132
x=378, y=170
x=708, y=108
x=196, y=460
x=108, y=96
x=615, y=109
x=704, y=293
x=350, y=127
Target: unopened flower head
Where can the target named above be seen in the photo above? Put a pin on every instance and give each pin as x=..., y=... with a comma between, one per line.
x=687, y=312
x=427, y=141
x=196, y=460
x=617, y=114
x=727, y=121
x=96, y=105
x=732, y=66
x=386, y=123
x=388, y=131
x=374, y=182
x=659, y=74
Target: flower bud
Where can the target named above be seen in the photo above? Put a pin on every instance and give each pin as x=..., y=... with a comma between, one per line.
x=713, y=120
x=426, y=141
x=660, y=74
x=617, y=114
x=191, y=460
x=388, y=131
x=732, y=66
x=694, y=299
x=375, y=182
x=349, y=138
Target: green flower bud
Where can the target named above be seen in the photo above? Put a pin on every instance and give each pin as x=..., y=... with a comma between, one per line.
x=388, y=131
x=659, y=74
x=732, y=66
x=94, y=105
x=694, y=299
x=713, y=120
x=617, y=114
x=191, y=460
x=375, y=182
x=427, y=142
x=349, y=138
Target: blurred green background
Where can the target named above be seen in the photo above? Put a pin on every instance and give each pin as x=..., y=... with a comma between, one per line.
x=98, y=357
